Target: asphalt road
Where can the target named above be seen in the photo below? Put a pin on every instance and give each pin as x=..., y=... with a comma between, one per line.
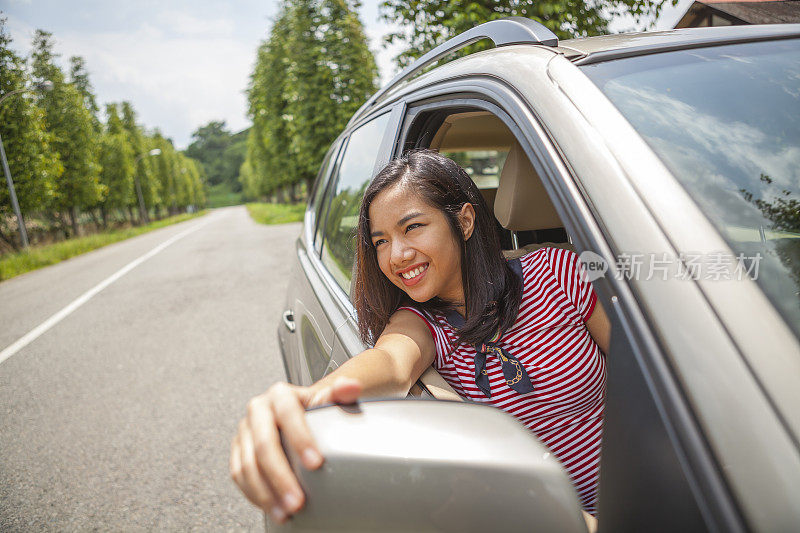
x=120, y=416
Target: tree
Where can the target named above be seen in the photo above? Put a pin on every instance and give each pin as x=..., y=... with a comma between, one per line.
x=428, y=23
x=211, y=146
x=333, y=73
x=74, y=136
x=269, y=148
x=311, y=75
x=144, y=166
x=79, y=77
x=33, y=163
x=117, y=159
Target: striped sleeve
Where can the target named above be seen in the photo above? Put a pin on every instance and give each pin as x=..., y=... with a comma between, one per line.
x=572, y=279
x=439, y=337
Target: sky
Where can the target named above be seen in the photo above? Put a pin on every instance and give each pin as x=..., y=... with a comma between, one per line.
x=183, y=63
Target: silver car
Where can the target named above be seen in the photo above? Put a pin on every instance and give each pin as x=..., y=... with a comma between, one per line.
x=670, y=161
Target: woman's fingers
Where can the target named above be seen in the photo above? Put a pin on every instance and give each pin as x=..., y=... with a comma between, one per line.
x=245, y=472
x=269, y=454
x=258, y=463
x=290, y=416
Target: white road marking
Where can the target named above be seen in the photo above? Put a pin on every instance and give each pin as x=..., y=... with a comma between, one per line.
x=33, y=334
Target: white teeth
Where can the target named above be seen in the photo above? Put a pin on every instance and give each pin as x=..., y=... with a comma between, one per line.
x=413, y=273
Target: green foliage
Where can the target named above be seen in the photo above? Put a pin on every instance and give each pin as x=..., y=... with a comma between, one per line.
x=179, y=177
x=33, y=163
x=311, y=75
x=65, y=161
x=144, y=165
x=428, y=23
x=15, y=264
x=117, y=159
x=220, y=153
x=264, y=213
x=269, y=143
x=80, y=79
x=74, y=136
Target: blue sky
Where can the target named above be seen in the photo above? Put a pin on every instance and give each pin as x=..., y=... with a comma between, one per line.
x=181, y=63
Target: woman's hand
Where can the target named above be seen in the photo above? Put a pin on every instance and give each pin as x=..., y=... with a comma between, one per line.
x=258, y=463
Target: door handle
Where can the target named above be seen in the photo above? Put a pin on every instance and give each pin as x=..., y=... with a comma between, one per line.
x=288, y=320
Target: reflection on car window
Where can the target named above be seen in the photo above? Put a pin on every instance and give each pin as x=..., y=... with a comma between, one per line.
x=319, y=189
x=726, y=122
x=483, y=166
x=355, y=173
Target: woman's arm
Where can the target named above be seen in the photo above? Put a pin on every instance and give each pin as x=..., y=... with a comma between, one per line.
x=258, y=463
x=599, y=327
x=400, y=356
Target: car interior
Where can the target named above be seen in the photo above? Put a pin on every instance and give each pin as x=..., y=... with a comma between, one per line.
x=510, y=186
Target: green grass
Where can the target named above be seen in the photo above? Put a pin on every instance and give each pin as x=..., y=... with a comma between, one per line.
x=18, y=263
x=222, y=195
x=264, y=213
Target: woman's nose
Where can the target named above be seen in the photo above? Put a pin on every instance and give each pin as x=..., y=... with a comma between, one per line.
x=401, y=252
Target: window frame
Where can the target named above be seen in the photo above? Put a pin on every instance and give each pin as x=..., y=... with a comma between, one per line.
x=313, y=208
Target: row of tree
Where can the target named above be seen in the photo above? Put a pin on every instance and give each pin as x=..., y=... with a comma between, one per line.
x=67, y=162
x=315, y=69
x=311, y=74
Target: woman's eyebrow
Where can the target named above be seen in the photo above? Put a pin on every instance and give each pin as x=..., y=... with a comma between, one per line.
x=399, y=223
x=408, y=217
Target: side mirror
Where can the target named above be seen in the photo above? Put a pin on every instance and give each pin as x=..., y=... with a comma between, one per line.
x=424, y=465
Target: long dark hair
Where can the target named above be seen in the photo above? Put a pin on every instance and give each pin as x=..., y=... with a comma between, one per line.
x=491, y=288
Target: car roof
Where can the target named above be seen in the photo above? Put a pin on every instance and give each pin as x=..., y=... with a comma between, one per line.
x=607, y=47
x=589, y=50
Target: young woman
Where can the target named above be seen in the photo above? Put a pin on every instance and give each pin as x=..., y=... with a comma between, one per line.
x=432, y=287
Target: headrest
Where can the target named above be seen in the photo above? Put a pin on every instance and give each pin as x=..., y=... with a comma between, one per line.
x=522, y=202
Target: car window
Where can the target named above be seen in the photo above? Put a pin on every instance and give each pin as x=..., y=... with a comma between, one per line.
x=354, y=174
x=726, y=122
x=317, y=203
x=319, y=185
x=483, y=166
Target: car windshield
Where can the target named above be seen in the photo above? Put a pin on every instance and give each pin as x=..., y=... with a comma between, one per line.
x=726, y=122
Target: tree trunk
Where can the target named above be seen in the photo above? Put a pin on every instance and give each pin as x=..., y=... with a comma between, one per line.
x=104, y=216
x=96, y=220
x=73, y=220
x=132, y=217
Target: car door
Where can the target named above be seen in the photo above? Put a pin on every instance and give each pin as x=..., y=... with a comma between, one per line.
x=306, y=332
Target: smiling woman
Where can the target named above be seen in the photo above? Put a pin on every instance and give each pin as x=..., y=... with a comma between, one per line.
x=432, y=288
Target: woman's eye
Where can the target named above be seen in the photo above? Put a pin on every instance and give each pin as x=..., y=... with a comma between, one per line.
x=379, y=242
x=414, y=225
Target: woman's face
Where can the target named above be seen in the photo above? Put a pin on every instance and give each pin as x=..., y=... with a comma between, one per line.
x=415, y=246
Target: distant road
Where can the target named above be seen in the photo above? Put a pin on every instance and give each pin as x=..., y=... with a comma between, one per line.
x=120, y=415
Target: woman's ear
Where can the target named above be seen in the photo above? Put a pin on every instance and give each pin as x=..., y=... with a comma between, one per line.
x=467, y=219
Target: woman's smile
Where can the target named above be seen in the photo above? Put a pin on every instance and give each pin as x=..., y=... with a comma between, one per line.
x=413, y=275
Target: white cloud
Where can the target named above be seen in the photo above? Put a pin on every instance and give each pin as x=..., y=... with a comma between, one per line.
x=187, y=24
x=176, y=81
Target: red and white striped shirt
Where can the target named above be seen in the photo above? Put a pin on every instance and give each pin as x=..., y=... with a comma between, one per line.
x=566, y=367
